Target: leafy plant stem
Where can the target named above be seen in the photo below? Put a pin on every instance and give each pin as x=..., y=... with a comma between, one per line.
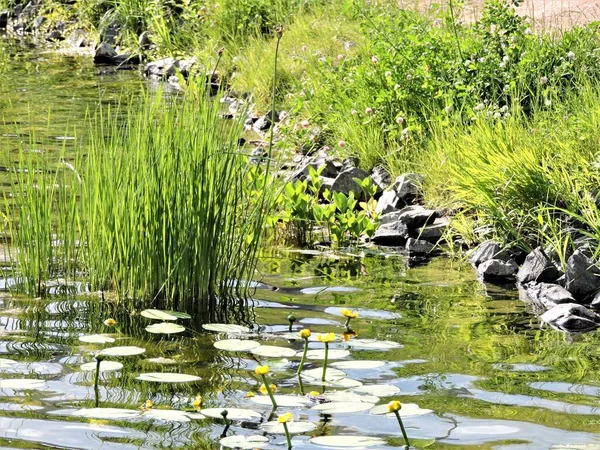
x=268, y=388
x=402, y=428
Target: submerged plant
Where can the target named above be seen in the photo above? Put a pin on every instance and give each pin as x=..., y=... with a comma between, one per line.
x=262, y=371
x=394, y=407
x=326, y=339
x=304, y=334
x=284, y=419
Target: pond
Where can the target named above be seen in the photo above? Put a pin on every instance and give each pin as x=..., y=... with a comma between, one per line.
x=471, y=356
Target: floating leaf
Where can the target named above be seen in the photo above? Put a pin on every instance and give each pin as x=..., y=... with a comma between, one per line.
x=347, y=441
x=408, y=409
x=22, y=384
x=244, y=442
x=293, y=427
x=171, y=415
x=347, y=396
x=282, y=400
x=167, y=377
x=373, y=344
x=160, y=360
x=342, y=407
x=379, y=390
x=273, y=351
x=106, y=413
x=236, y=345
x=331, y=375
x=357, y=364
x=347, y=383
x=320, y=354
x=7, y=362
x=158, y=314
x=225, y=328
x=232, y=413
x=105, y=366
x=129, y=350
x=96, y=339
x=165, y=328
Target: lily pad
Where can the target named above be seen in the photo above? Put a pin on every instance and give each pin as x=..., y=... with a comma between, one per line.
x=331, y=374
x=379, y=390
x=236, y=345
x=320, y=354
x=273, y=351
x=282, y=400
x=244, y=442
x=347, y=396
x=408, y=409
x=96, y=339
x=342, y=407
x=275, y=427
x=347, y=383
x=225, y=328
x=167, y=377
x=158, y=314
x=7, y=362
x=165, y=328
x=105, y=366
x=22, y=384
x=171, y=415
x=128, y=350
x=232, y=413
x=373, y=344
x=106, y=413
x=347, y=441
x=358, y=364
x=160, y=360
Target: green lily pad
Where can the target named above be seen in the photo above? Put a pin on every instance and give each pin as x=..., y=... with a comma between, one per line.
x=225, y=328
x=232, y=413
x=275, y=427
x=171, y=415
x=106, y=413
x=320, y=354
x=236, y=345
x=347, y=441
x=379, y=390
x=158, y=314
x=165, y=328
x=347, y=396
x=105, y=366
x=128, y=350
x=282, y=400
x=273, y=351
x=4, y=363
x=22, y=384
x=408, y=409
x=167, y=377
x=160, y=360
x=342, y=407
x=331, y=374
x=96, y=339
x=357, y=364
x=373, y=344
x=244, y=442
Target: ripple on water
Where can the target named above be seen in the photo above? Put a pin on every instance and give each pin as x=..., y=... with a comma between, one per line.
x=567, y=388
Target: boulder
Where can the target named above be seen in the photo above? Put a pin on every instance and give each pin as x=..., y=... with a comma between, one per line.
x=582, y=277
x=263, y=123
x=163, y=69
x=4, y=19
x=345, y=183
x=484, y=252
x=406, y=187
x=144, y=41
x=381, y=177
x=572, y=318
x=392, y=234
x=77, y=38
x=433, y=232
x=497, y=269
x=548, y=295
x=54, y=36
x=316, y=162
x=595, y=303
x=538, y=267
x=349, y=163
x=38, y=22
x=105, y=54
x=419, y=247
x=388, y=202
x=416, y=216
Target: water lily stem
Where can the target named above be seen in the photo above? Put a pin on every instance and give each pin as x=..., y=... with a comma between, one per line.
x=303, y=360
x=325, y=361
x=287, y=436
x=96, y=380
x=268, y=388
x=402, y=428
x=347, y=325
x=300, y=384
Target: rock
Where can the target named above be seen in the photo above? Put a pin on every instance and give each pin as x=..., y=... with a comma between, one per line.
x=416, y=216
x=345, y=183
x=388, y=202
x=381, y=177
x=144, y=41
x=596, y=301
x=433, y=232
x=326, y=185
x=484, y=252
x=548, y=295
x=538, y=267
x=393, y=234
x=257, y=155
x=572, y=318
x=419, y=247
x=111, y=33
x=163, y=69
x=54, y=36
x=77, y=38
x=406, y=187
x=105, y=54
x=38, y=22
x=3, y=19
x=320, y=160
x=496, y=269
x=263, y=123
x=582, y=276
x=349, y=163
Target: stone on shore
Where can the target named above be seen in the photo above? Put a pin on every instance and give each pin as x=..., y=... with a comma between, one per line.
x=345, y=183
x=538, y=267
x=497, y=269
x=572, y=318
x=548, y=295
x=582, y=277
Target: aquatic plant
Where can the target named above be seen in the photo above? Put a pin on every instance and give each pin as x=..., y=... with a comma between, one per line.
x=349, y=315
x=394, y=407
x=326, y=339
x=262, y=371
x=304, y=334
x=291, y=319
x=284, y=419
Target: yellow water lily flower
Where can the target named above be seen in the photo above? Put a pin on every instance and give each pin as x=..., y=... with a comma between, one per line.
x=349, y=313
x=326, y=338
x=110, y=322
x=347, y=335
x=285, y=418
x=314, y=393
x=263, y=389
x=148, y=404
x=304, y=334
x=262, y=370
x=250, y=394
x=394, y=406
x=197, y=403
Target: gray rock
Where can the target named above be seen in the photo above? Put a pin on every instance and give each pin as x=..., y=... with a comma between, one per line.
x=105, y=54
x=393, y=234
x=548, y=295
x=326, y=184
x=406, y=187
x=263, y=123
x=496, y=269
x=18, y=10
x=538, y=267
x=54, y=35
x=38, y=22
x=388, y=202
x=582, y=276
x=433, y=232
x=349, y=163
x=419, y=247
x=596, y=301
x=77, y=38
x=111, y=33
x=572, y=318
x=316, y=162
x=484, y=252
x=4, y=19
x=416, y=216
x=381, y=177
x=345, y=183
x=163, y=69
x=144, y=41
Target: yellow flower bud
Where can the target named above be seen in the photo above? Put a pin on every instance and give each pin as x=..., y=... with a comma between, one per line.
x=110, y=322
x=262, y=370
x=394, y=406
x=349, y=313
x=314, y=393
x=148, y=404
x=197, y=403
x=250, y=394
x=304, y=334
x=263, y=389
x=326, y=338
x=285, y=418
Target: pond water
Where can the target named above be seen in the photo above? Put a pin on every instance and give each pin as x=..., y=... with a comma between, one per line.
x=470, y=353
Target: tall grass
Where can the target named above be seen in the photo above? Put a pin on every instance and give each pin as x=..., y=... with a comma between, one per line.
x=166, y=209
